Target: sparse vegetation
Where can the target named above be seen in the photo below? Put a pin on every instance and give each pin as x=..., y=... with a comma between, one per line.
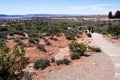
x=36, y=31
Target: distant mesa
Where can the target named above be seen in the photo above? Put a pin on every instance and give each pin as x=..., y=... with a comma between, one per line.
x=117, y=15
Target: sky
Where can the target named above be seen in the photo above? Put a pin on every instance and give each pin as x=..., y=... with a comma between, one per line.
x=81, y=7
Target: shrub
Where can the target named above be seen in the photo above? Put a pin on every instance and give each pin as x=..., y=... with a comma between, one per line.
x=74, y=56
x=31, y=40
x=53, y=59
x=16, y=39
x=4, y=48
x=75, y=47
x=58, y=62
x=27, y=76
x=70, y=37
x=97, y=49
x=82, y=48
x=66, y=61
x=21, y=43
x=52, y=38
x=12, y=64
x=41, y=47
x=46, y=41
x=41, y=63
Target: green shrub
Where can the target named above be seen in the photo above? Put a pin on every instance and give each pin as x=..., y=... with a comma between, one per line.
x=76, y=47
x=66, y=61
x=41, y=63
x=58, y=62
x=12, y=64
x=70, y=36
x=53, y=59
x=20, y=43
x=74, y=56
x=36, y=39
x=16, y=39
x=31, y=40
x=52, y=38
x=46, y=41
x=97, y=49
x=41, y=47
x=4, y=48
x=27, y=76
x=82, y=48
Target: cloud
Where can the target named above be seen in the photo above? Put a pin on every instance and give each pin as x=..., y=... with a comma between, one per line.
x=79, y=7
x=99, y=6
x=92, y=7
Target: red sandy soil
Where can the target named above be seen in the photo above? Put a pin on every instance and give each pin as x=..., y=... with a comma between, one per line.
x=34, y=53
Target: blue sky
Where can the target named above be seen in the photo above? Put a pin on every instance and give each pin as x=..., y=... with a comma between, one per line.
x=84, y=7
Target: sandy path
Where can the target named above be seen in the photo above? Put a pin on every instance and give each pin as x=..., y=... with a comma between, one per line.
x=110, y=49
x=95, y=67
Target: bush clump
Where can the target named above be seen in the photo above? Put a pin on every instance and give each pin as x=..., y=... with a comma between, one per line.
x=31, y=40
x=52, y=59
x=70, y=37
x=52, y=38
x=41, y=47
x=27, y=76
x=58, y=62
x=95, y=49
x=74, y=56
x=66, y=61
x=76, y=47
x=16, y=39
x=41, y=63
x=46, y=41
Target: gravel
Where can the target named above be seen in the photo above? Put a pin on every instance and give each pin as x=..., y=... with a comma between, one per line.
x=113, y=51
x=97, y=67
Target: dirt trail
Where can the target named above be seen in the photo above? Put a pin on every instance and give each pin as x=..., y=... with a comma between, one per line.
x=111, y=50
x=95, y=67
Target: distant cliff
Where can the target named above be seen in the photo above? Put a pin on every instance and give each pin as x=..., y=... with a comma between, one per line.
x=111, y=16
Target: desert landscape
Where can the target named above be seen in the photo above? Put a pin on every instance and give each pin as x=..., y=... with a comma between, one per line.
x=59, y=40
